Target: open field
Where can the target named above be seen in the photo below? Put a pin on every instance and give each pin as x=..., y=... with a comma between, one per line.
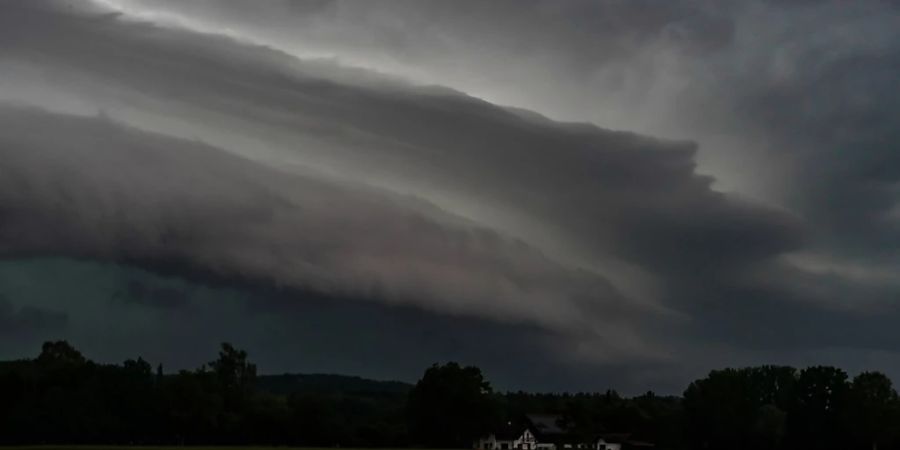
x=135, y=447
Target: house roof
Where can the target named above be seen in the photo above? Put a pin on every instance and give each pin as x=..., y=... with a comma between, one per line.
x=613, y=437
x=509, y=432
x=546, y=424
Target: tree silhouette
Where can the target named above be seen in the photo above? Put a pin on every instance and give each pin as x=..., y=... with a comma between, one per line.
x=60, y=353
x=873, y=408
x=451, y=406
x=60, y=397
x=818, y=417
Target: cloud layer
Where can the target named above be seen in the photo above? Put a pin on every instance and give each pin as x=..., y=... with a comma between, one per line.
x=152, y=138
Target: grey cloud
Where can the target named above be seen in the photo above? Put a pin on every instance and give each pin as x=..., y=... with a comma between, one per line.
x=364, y=186
x=301, y=332
x=139, y=293
x=94, y=189
x=792, y=101
x=595, y=187
x=27, y=320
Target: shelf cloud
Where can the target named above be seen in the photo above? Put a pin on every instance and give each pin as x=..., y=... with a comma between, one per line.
x=469, y=164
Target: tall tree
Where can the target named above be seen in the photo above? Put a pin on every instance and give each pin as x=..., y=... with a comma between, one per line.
x=817, y=418
x=722, y=409
x=451, y=406
x=60, y=353
x=233, y=372
x=233, y=377
x=873, y=408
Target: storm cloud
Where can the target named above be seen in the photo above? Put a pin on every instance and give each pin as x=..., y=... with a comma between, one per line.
x=28, y=319
x=363, y=153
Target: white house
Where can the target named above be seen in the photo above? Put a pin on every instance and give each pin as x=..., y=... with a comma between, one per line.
x=603, y=443
x=510, y=438
x=548, y=432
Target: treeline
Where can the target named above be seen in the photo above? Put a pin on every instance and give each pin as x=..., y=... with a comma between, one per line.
x=775, y=407
x=60, y=397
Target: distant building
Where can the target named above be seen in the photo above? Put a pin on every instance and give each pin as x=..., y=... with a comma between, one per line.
x=607, y=443
x=548, y=427
x=509, y=437
x=548, y=432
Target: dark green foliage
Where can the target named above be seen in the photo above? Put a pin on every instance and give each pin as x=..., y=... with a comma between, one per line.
x=58, y=354
x=779, y=407
x=822, y=403
x=451, y=406
x=874, y=413
x=60, y=397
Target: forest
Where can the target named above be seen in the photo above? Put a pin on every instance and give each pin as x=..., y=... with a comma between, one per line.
x=61, y=397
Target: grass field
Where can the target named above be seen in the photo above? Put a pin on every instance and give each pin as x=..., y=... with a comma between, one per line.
x=136, y=447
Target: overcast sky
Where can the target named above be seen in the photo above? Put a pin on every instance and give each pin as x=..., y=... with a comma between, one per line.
x=573, y=195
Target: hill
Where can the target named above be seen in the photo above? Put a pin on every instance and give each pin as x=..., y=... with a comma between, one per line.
x=288, y=383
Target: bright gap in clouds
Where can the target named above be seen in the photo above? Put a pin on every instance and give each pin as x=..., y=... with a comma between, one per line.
x=383, y=65
x=598, y=96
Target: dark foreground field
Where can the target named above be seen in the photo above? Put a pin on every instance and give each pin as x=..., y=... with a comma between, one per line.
x=128, y=447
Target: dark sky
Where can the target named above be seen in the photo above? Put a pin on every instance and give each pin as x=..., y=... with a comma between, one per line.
x=572, y=195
